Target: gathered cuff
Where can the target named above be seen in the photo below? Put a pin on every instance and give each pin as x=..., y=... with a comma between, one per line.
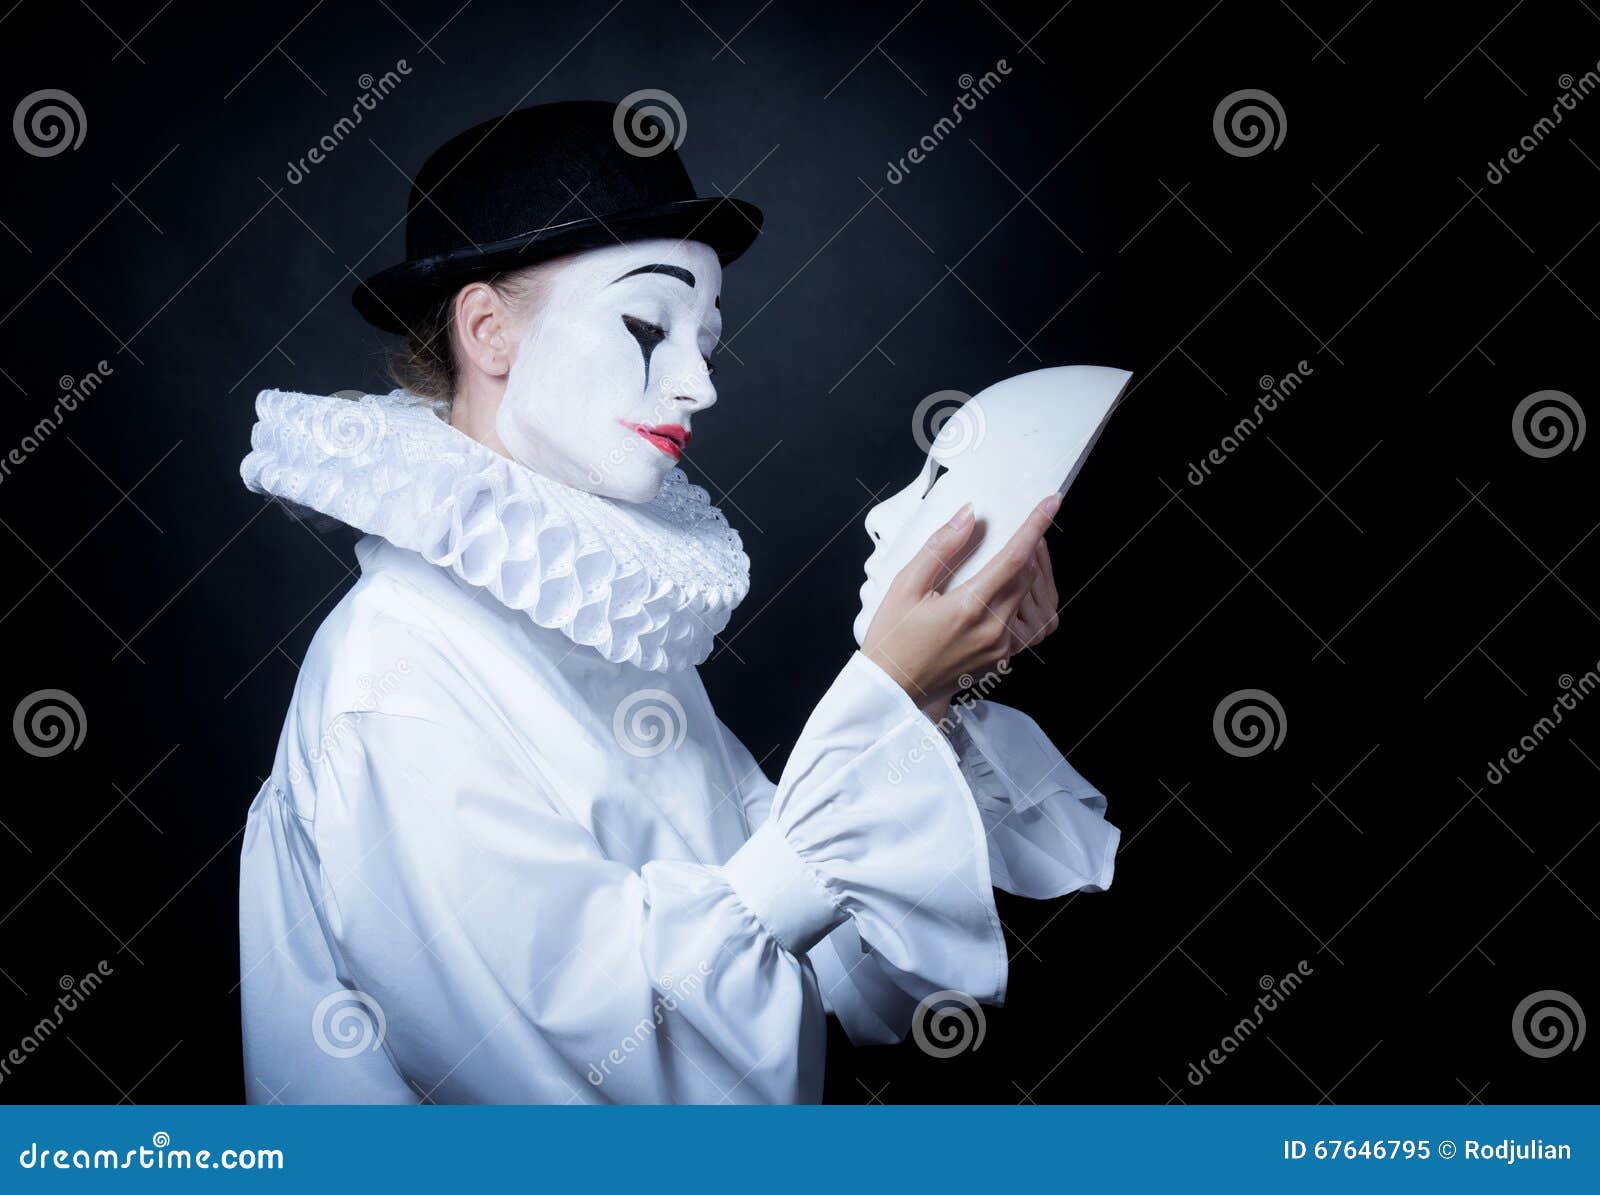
x=874, y=807
x=781, y=890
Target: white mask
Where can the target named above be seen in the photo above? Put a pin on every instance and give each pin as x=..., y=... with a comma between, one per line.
x=613, y=365
x=1003, y=450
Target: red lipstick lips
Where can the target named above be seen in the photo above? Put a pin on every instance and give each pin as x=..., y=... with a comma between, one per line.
x=670, y=438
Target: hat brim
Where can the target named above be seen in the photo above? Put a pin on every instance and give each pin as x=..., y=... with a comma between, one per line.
x=395, y=298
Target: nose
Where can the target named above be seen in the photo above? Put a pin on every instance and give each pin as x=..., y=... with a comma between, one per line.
x=874, y=523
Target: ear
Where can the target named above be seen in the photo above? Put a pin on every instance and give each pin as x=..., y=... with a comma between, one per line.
x=483, y=329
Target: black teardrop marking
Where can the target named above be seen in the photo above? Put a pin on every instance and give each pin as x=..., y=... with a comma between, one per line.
x=648, y=335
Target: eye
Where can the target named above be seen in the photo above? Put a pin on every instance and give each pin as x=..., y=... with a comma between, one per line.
x=938, y=472
x=647, y=334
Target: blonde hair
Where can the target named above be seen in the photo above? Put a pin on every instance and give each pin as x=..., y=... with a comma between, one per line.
x=425, y=361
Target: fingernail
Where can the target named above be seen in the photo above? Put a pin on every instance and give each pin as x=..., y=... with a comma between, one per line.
x=963, y=516
x=1050, y=505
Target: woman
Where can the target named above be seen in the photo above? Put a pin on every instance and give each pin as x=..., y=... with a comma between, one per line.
x=507, y=851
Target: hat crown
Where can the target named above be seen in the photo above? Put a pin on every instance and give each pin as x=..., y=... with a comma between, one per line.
x=533, y=169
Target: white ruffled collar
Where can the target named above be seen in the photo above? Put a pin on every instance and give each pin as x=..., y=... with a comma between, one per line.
x=648, y=584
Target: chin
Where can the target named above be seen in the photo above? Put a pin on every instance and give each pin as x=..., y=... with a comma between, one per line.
x=636, y=488
x=863, y=621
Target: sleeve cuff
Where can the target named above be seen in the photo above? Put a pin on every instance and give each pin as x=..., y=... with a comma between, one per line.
x=779, y=888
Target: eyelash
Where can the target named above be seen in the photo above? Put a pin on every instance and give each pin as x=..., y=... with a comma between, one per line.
x=644, y=331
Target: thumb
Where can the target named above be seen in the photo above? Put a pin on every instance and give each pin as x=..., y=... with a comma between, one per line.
x=940, y=556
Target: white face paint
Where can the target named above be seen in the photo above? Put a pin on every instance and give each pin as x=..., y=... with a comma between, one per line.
x=613, y=365
x=1003, y=450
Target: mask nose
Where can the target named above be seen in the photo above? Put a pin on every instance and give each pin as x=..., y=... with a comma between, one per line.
x=874, y=523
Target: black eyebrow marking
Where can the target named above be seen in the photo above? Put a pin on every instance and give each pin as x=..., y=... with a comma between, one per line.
x=678, y=272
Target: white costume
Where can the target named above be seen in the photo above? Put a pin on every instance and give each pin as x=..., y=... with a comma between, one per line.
x=508, y=853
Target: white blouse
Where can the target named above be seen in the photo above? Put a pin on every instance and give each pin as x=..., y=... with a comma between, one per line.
x=493, y=865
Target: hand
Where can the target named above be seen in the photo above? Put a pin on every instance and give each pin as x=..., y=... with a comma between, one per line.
x=926, y=640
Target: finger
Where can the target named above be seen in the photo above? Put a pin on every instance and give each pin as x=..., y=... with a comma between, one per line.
x=1046, y=565
x=998, y=578
x=1030, y=619
x=944, y=551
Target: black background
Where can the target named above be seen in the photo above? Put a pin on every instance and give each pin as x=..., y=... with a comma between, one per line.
x=1381, y=557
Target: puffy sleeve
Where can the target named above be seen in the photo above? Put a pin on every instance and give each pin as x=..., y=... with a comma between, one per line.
x=513, y=960
x=1047, y=835
x=1046, y=825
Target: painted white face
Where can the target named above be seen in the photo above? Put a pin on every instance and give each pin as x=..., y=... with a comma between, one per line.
x=613, y=366
x=1002, y=450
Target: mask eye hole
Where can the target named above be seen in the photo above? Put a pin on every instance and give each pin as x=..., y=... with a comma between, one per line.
x=938, y=472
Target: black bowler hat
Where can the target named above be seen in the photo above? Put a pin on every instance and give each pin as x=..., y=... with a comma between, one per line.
x=535, y=184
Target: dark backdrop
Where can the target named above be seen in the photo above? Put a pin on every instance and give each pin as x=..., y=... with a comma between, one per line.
x=1383, y=557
